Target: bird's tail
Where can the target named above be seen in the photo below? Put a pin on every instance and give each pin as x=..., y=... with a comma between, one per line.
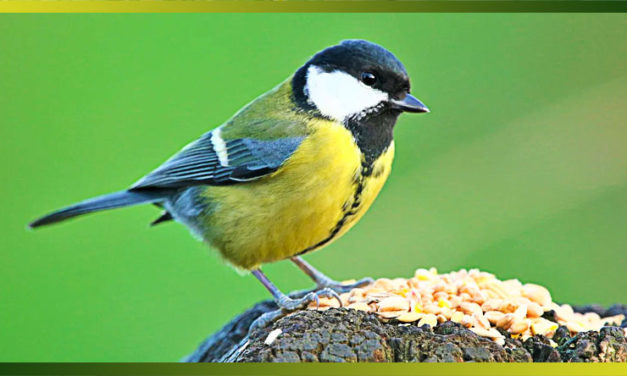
x=109, y=201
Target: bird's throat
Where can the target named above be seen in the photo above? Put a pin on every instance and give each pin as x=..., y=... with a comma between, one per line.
x=373, y=134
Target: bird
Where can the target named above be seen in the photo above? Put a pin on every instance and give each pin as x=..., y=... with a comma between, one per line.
x=290, y=172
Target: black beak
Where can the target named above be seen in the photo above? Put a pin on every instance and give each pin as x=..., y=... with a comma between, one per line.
x=409, y=104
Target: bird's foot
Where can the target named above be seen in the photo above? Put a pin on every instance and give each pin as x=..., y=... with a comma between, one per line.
x=265, y=319
x=340, y=287
x=287, y=305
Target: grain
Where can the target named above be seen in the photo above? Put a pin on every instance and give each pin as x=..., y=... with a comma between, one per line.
x=360, y=306
x=544, y=327
x=472, y=298
x=536, y=293
x=429, y=319
x=519, y=327
x=410, y=316
x=394, y=303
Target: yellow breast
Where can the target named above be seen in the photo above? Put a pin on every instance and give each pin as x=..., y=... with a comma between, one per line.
x=314, y=198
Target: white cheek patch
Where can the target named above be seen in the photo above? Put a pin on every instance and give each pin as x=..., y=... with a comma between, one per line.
x=339, y=95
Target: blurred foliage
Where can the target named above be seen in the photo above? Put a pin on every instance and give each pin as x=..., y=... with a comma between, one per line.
x=520, y=169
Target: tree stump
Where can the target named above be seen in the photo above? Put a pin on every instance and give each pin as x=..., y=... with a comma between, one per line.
x=346, y=335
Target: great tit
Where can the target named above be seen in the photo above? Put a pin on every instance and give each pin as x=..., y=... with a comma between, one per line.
x=290, y=172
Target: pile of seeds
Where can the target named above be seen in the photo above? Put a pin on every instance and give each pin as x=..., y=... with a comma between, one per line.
x=475, y=299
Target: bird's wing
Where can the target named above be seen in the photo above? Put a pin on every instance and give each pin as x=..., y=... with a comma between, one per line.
x=226, y=155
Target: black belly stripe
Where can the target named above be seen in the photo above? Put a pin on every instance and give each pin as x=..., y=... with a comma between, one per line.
x=373, y=135
x=366, y=171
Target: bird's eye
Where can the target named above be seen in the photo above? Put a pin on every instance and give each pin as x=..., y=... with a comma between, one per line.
x=368, y=78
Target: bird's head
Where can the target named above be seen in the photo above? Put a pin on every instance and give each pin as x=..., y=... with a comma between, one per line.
x=353, y=80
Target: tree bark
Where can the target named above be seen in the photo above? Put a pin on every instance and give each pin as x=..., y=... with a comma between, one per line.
x=346, y=335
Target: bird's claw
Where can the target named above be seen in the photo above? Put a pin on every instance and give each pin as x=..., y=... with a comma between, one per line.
x=265, y=319
x=289, y=304
x=342, y=288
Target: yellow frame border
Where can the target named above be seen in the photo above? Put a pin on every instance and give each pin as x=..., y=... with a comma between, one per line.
x=273, y=6
x=265, y=6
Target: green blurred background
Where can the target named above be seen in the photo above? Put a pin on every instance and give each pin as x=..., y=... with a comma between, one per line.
x=520, y=169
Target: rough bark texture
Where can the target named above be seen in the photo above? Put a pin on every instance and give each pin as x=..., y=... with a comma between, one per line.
x=343, y=335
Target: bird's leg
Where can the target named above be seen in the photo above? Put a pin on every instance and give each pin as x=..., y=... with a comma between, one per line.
x=324, y=282
x=288, y=304
x=285, y=303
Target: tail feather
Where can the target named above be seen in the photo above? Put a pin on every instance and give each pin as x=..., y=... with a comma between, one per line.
x=109, y=201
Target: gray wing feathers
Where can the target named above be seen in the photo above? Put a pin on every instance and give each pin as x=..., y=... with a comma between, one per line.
x=196, y=162
x=246, y=159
